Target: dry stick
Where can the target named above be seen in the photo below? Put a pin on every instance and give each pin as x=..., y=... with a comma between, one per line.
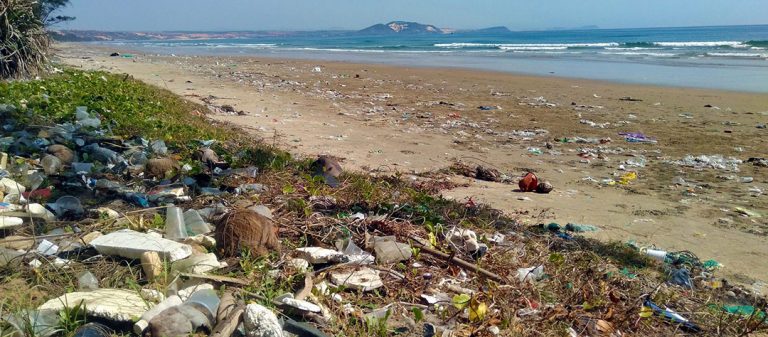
x=216, y=278
x=460, y=262
x=227, y=326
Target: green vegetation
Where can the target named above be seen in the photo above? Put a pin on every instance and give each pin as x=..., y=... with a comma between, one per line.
x=23, y=40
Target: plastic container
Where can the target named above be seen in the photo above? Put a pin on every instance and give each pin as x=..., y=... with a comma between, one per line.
x=656, y=254
x=174, y=224
x=195, y=223
x=86, y=281
x=143, y=323
x=51, y=164
x=68, y=206
x=207, y=298
x=182, y=320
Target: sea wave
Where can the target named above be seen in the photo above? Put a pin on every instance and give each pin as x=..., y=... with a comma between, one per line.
x=632, y=53
x=732, y=44
x=525, y=46
x=748, y=55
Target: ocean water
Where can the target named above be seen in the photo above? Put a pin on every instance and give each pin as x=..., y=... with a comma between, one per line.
x=728, y=57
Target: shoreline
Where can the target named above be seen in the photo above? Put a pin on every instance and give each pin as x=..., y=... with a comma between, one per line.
x=419, y=120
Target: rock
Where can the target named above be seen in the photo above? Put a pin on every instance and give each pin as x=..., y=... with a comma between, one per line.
x=261, y=322
x=328, y=168
x=62, y=152
x=389, y=251
x=131, y=244
x=317, y=255
x=261, y=209
x=161, y=167
x=544, y=187
x=365, y=279
x=51, y=164
x=152, y=265
x=88, y=238
x=15, y=242
x=202, y=240
x=245, y=229
x=112, y=304
x=528, y=183
x=179, y=321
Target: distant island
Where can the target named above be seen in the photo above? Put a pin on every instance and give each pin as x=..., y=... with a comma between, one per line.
x=401, y=27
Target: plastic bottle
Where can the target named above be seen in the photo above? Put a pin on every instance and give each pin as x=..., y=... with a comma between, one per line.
x=143, y=323
x=181, y=320
x=195, y=223
x=174, y=224
x=93, y=330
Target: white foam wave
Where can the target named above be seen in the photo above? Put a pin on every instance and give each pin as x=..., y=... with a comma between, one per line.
x=732, y=44
x=629, y=53
x=513, y=46
x=531, y=48
x=750, y=55
x=632, y=48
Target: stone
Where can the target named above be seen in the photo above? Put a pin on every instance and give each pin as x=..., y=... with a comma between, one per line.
x=151, y=264
x=317, y=255
x=202, y=240
x=365, y=279
x=88, y=238
x=111, y=304
x=261, y=209
x=16, y=242
x=62, y=152
x=389, y=251
x=131, y=244
x=160, y=167
x=261, y=322
x=544, y=187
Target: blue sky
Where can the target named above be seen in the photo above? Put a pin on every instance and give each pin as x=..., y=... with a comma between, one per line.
x=157, y=15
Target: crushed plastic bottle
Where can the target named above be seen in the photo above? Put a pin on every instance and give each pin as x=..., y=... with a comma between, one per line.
x=86, y=281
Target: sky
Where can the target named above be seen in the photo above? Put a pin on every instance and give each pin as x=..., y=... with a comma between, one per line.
x=207, y=15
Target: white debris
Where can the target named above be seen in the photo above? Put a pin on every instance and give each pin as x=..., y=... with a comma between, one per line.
x=365, y=279
x=131, y=244
x=261, y=322
x=113, y=304
x=316, y=255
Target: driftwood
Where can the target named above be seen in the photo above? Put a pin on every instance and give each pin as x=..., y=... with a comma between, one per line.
x=464, y=264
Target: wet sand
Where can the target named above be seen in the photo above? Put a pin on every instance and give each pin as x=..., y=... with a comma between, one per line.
x=381, y=119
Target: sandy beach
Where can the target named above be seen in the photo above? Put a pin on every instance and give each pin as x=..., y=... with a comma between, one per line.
x=420, y=121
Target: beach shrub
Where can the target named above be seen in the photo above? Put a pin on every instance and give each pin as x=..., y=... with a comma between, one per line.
x=24, y=43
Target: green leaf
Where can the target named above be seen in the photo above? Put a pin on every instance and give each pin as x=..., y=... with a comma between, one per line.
x=461, y=301
x=418, y=315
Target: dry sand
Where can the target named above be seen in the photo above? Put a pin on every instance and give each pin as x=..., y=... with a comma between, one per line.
x=383, y=119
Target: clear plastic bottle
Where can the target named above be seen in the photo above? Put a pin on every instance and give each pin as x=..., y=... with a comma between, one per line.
x=174, y=224
x=195, y=223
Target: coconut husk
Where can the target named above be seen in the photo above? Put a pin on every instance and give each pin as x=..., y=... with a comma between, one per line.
x=62, y=152
x=243, y=229
x=161, y=167
x=328, y=168
x=488, y=174
x=528, y=183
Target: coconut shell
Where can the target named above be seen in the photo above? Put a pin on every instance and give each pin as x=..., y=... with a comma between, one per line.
x=241, y=230
x=528, y=183
x=544, y=187
x=161, y=167
x=62, y=152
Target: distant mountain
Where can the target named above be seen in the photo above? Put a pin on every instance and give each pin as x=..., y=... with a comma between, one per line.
x=400, y=27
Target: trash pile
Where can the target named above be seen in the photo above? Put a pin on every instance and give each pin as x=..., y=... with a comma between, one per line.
x=132, y=236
